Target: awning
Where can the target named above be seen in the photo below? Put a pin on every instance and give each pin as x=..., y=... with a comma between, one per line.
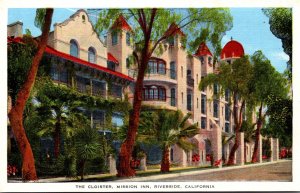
x=111, y=58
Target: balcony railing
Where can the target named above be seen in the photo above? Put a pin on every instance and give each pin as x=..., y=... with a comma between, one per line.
x=169, y=73
x=190, y=81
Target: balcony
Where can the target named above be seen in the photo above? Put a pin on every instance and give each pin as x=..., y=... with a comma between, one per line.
x=163, y=103
x=190, y=81
x=162, y=74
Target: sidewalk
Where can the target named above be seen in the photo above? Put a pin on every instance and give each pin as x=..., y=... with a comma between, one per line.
x=155, y=176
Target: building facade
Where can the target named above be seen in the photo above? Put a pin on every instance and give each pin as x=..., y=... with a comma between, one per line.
x=102, y=68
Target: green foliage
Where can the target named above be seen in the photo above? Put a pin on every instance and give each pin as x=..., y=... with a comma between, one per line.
x=167, y=128
x=39, y=18
x=87, y=143
x=266, y=80
x=281, y=20
x=280, y=123
x=19, y=58
x=235, y=77
x=199, y=25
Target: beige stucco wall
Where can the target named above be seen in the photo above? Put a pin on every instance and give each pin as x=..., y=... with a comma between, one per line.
x=82, y=32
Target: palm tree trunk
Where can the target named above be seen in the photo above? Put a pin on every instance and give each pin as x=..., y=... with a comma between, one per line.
x=57, y=138
x=16, y=113
x=82, y=165
x=257, y=135
x=165, y=162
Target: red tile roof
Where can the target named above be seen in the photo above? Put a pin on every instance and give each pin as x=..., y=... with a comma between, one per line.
x=54, y=52
x=121, y=23
x=203, y=50
x=111, y=58
x=233, y=49
x=174, y=29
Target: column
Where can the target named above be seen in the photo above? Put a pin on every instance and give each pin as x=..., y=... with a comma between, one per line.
x=112, y=165
x=240, y=151
x=275, y=149
x=217, y=143
x=271, y=149
x=259, y=150
x=180, y=156
x=144, y=163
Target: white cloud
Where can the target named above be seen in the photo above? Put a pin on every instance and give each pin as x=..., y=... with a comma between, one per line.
x=280, y=56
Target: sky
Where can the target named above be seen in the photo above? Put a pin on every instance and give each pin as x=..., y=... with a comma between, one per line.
x=250, y=28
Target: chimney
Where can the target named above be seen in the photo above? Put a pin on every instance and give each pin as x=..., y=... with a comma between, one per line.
x=15, y=29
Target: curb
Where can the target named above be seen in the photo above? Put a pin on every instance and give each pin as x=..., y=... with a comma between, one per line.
x=163, y=176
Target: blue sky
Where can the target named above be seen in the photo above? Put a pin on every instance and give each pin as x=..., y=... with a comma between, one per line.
x=250, y=28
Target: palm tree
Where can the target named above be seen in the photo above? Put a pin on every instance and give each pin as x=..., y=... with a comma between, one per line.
x=87, y=146
x=59, y=109
x=168, y=128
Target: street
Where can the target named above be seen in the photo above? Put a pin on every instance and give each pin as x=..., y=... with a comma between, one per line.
x=281, y=171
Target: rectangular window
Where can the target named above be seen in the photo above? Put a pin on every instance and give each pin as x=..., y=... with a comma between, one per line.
x=227, y=127
x=216, y=108
x=111, y=65
x=98, y=119
x=181, y=71
x=116, y=90
x=173, y=102
x=128, y=39
x=173, y=70
x=227, y=112
x=203, y=122
x=189, y=102
x=83, y=85
x=227, y=95
x=215, y=89
x=114, y=38
x=99, y=88
x=182, y=97
x=203, y=104
x=117, y=120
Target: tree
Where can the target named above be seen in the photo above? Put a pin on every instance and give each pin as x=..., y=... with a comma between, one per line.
x=151, y=27
x=280, y=20
x=266, y=81
x=235, y=77
x=168, y=128
x=280, y=122
x=87, y=146
x=59, y=109
x=22, y=94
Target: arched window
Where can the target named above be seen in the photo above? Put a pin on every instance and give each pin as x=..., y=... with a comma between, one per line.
x=154, y=93
x=92, y=55
x=74, y=48
x=156, y=66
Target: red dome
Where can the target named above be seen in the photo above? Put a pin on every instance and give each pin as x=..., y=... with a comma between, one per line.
x=232, y=49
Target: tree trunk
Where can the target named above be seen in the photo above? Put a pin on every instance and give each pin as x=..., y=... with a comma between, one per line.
x=165, y=162
x=82, y=165
x=257, y=135
x=238, y=119
x=57, y=138
x=16, y=113
x=124, y=169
